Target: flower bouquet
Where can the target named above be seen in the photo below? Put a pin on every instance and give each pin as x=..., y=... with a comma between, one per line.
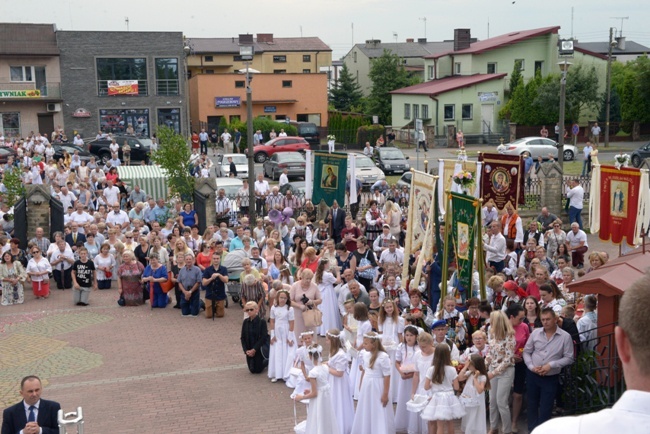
x=621, y=160
x=331, y=137
x=464, y=178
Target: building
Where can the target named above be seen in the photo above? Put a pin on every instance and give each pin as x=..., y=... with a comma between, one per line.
x=412, y=53
x=333, y=73
x=30, y=80
x=297, y=96
x=469, y=83
x=111, y=80
x=272, y=55
x=623, y=51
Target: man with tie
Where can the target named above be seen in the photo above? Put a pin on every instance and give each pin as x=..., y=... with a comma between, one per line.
x=338, y=221
x=32, y=415
x=75, y=236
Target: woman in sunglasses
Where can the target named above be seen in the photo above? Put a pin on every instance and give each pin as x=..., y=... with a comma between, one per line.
x=38, y=269
x=254, y=339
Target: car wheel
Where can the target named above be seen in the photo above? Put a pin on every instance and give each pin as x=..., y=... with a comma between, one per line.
x=260, y=157
x=104, y=157
x=568, y=155
x=636, y=161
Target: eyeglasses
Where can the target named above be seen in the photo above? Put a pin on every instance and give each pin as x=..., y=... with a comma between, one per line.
x=129, y=238
x=249, y=310
x=35, y=252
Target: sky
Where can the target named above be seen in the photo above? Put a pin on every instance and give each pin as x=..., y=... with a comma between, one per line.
x=340, y=23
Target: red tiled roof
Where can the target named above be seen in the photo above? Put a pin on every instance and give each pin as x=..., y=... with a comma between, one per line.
x=437, y=87
x=499, y=41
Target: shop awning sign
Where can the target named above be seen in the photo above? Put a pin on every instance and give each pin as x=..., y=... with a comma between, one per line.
x=227, y=101
x=123, y=87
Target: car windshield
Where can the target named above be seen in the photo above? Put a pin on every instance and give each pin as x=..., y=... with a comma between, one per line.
x=364, y=162
x=237, y=159
x=146, y=142
x=308, y=129
x=231, y=190
x=519, y=142
x=290, y=156
x=392, y=154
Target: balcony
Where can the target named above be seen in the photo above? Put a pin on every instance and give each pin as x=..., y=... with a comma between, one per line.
x=30, y=91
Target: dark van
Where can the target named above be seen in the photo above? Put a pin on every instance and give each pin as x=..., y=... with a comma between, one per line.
x=308, y=131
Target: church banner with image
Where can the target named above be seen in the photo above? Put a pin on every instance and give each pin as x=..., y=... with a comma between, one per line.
x=501, y=179
x=463, y=235
x=330, y=171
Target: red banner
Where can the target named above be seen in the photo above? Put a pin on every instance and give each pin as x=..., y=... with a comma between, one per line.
x=123, y=87
x=619, y=201
x=501, y=179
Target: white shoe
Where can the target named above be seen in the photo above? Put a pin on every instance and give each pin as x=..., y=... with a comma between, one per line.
x=274, y=380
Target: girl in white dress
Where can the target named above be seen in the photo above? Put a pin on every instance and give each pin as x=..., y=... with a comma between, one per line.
x=339, y=364
x=422, y=360
x=326, y=280
x=320, y=415
x=444, y=406
x=283, y=347
x=349, y=323
x=405, y=371
x=303, y=364
x=374, y=410
x=473, y=397
x=363, y=327
x=391, y=328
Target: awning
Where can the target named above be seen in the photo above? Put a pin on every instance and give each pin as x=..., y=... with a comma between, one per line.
x=151, y=179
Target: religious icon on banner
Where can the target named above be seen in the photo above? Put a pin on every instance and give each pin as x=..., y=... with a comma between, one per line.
x=463, y=240
x=501, y=180
x=330, y=176
x=619, y=191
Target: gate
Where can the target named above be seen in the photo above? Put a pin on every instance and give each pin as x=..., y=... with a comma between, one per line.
x=56, y=217
x=20, y=222
x=200, y=207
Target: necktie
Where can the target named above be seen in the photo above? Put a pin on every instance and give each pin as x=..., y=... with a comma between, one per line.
x=74, y=238
x=335, y=213
x=32, y=414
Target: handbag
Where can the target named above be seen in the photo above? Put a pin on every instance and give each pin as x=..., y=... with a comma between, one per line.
x=368, y=273
x=313, y=318
x=468, y=401
x=168, y=285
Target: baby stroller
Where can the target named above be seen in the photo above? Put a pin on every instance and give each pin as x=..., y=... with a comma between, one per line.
x=232, y=262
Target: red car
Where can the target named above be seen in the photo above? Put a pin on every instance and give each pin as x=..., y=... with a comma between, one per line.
x=279, y=144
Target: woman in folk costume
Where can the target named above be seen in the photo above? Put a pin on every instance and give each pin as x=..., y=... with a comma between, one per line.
x=374, y=221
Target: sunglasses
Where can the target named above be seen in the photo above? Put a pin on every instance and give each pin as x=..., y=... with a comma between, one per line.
x=249, y=310
x=35, y=252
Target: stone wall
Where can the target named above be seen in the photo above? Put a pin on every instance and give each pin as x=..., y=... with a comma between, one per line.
x=38, y=210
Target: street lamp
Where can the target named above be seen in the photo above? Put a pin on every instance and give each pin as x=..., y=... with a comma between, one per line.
x=188, y=50
x=566, y=51
x=246, y=52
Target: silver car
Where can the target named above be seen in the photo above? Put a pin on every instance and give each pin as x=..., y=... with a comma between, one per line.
x=366, y=171
x=294, y=162
x=538, y=147
x=223, y=165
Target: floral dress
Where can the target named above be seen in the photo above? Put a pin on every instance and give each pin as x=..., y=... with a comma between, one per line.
x=130, y=276
x=12, y=294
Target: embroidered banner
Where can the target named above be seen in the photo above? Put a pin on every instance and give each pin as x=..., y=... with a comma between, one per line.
x=619, y=201
x=501, y=179
x=330, y=172
x=447, y=169
x=462, y=234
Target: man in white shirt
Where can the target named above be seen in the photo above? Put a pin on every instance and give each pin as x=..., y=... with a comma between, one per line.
x=118, y=218
x=111, y=193
x=382, y=242
x=203, y=140
x=630, y=414
x=282, y=133
x=576, y=243
x=78, y=140
x=392, y=255
x=495, y=247
x=61, y=260
x=587, y=159
x=422, y=141
x=595, y=133
x=66, y=197
x=343, y=290
x=489, y=214
x=576, y=194
x=262, y=189
x=284, y=178
x=226, y=138
x=80, y=217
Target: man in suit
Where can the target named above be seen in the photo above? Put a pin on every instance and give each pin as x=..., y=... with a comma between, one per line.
x=32, y=415
x=75, y=237
x=337, y=218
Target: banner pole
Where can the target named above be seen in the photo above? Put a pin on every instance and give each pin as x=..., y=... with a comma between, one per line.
x=409, y=234
x=480, y=264
x=445, y=254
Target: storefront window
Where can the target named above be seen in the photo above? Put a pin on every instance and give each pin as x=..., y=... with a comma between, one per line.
x=10, y=125
x=118, y=121
x=170, y=118
x=117, y=69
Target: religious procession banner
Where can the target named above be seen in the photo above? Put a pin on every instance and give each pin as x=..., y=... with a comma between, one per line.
x=420, y=212
x=501, y=179
x=618, y=203
x=447, y=169
x=330, y=171
x=463, y=233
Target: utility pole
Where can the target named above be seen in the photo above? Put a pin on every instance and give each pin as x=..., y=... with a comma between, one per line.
x=425, y=26
x=609, y=84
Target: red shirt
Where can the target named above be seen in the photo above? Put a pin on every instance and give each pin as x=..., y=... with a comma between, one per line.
x=350, y=245
x=533, y=290
x=195, y=140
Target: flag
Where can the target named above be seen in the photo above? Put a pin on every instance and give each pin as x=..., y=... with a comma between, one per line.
x=353, y=179
x=330, y=172
x=501, y=179
x=463, y=236
x=309, y=179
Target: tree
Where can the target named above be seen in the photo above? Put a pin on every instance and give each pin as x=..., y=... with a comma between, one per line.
x=516, y=77
x=387, y=74
x=13, y=183
x=346, y=92
x=631, y=82
x=581, y=93
x=173, y=156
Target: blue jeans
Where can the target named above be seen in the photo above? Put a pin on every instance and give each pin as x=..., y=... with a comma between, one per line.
x=586, y=167
x=191, y=306
x=575, y=215
x=541, y=394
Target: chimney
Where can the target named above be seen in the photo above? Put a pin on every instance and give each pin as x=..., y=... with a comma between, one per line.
x=620, y=43
x=246, y=39
x=410, y=40
x=462, y=39
x=265, y=37
x=372, y=43
x=422, y=40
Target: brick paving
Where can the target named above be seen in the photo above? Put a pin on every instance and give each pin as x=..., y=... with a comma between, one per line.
x=134, y=369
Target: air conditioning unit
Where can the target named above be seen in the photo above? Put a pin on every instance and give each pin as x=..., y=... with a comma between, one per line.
x=53, y=107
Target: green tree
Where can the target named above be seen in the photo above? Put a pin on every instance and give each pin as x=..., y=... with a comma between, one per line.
x=14, y=185
x=631, y=81
x=516, y=77
x=581, y=93
x=173, y=156
x=387, y=73
x=346, y=93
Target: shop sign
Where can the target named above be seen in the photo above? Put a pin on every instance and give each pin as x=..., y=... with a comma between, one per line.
x=227, y=101
x=31, y=93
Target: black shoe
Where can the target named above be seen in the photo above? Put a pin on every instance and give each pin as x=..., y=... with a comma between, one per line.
x=83, y=304
x=80, y=304
x=177, y=306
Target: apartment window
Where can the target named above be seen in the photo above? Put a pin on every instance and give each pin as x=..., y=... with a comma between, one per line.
x=287, y=83
x=416, y=111
x=240, y=84
x=10, y=124
x=539, y=66
x=306, y=57
x=430, y=72
x=170, y=117
x=122, y=69
x=450, y=112
x=279, y=71
x=279, y=59
x=468, y=112
x=457, y=68
x=25, y=73
x=209, y=71
x=407, y=111
x=425, y=111
x=167, y=76
x=354, y=56
x=306, y=71
x=492, y=68
x=208, y=58
x=237, y=58
x=522, y=64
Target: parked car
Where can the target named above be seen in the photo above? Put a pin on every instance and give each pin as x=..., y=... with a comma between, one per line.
x=538, y=147
x=640, y=154
x=405, y=180
x=5, y=153
x=308, y=131
x=58, y=151
x=280, y=144
x=295, y=187
x=366, y=171
x=391, y=160
x=223, y=165
x=140, y=148
x=294, y=162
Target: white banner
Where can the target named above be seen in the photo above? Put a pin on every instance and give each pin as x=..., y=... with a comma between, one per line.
x=309, y=181
x=352, y=164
